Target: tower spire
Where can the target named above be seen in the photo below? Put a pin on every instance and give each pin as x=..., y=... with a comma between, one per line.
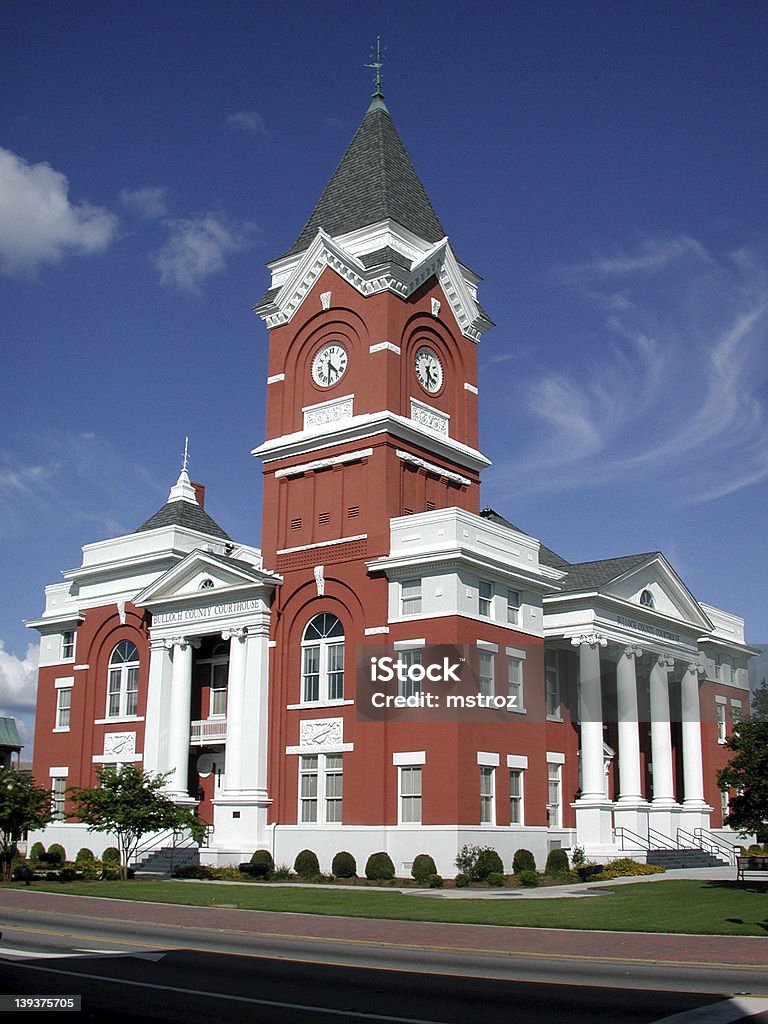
x=183, y=490
x=376, y=64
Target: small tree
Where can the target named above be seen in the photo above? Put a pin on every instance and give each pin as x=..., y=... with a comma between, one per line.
x=129, y=803
x=23, y=806
x=747, y=772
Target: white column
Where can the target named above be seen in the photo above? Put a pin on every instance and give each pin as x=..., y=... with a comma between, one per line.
x=181, y=698
x=693, y=772
x=630, y=787
x=592, y=777
x=235, y=707
x=661, y=734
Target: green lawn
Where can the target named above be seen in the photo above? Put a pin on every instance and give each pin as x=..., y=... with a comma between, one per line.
x=691, y=907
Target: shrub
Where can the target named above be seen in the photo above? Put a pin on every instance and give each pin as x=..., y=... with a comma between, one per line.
x=84, y=855
x=194, y=871
x=461, y=881
x=495, y=878
x=578, y=857
x=35, y=853
x=23, y=873
x=379, y=867
x=625, y=866
x=59, y=851
x=435, y=881
x=263, y=857
x=523, y=861
x=90, y=869
x=306, y=864
x=112, y=854
x=67, y=874
x=557, y=864
x=281, y=873
x=478, y=862
x=52, y=857
x=344, y=865
x=423, y=867
x=529, y=879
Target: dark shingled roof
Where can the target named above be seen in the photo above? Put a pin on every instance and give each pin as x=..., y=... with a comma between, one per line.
x=593, y=575
x=374, y=181
x=184, y=513
x=546, y=555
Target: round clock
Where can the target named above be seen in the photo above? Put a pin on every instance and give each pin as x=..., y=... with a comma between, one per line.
x=429, y=370
x=329, y=364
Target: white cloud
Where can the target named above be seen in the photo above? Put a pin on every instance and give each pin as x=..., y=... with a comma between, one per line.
x=38, y=223
x=149, y=202
x=676, y=397
x=18, y=681
x=198, y=247
x=249, y=121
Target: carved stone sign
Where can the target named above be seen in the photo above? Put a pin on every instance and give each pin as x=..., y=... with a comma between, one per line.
x=213, y=611
x=322, y=732
x=428, y=417
x=119, y=745
x=328, y=412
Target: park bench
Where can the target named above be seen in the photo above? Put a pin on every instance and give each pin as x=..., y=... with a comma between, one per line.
x=751, y=864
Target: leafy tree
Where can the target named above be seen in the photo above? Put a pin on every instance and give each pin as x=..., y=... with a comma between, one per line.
x=129, y=803
x=23, y=806
x=747, y=771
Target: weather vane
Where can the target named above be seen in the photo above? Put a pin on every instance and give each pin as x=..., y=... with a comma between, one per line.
x=377, y=66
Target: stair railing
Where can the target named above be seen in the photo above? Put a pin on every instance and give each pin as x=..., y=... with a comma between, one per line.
x=659, y=841
x=722, y=847
x=634, y=840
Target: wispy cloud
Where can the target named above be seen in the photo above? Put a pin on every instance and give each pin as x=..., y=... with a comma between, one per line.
x=249, y=121
x=677, y=392
x=38, y=223
x=148, y=202
x=198, y=247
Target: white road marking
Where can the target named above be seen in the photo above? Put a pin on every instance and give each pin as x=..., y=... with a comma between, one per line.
x=737, y=1008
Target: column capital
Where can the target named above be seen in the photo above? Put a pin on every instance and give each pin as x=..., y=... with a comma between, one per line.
x=592, y=639
x=697, y=666
x=665, y=661
x=182, y=642
x=632, y=651
x=235, y=633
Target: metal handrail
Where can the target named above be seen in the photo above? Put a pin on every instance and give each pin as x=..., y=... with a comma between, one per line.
x=730, y=850
x=661, y=842
x=622, y=832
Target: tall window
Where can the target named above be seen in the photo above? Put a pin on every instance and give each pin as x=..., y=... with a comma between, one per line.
x=721, y=727
x=552, y=669
x=68, y=644
x=409, y=687
x=123, y=681
x=515, y=681
x=410, y=597
x=515, y=796
x=486, y=673
x=410, y=795
x=513, y=607
x=322, y=659
x=485, y=599
x=58, y=797
x=320, y=789
x=555, y=795
x=63, y=707
x=219, y=679
x=487, y=816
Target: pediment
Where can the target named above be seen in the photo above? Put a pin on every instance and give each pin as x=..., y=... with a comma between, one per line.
x=204, y=575
x=654, y=590
x=296, y=278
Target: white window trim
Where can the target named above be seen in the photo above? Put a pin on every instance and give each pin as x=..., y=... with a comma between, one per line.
x=517, y=608
x=322, y=776
x=722, y=723
x=123, y=668
x=492, y=662
x=491, y=600
x=401, y=795
x=515, y=654
x=554, y=760
x=558, y=715
x=324, y=644
x=492, y=770
x=488, y=760
x=521, y=797
x=411, y=614
x=409, y=758
x=409, y=645
x=59, y=690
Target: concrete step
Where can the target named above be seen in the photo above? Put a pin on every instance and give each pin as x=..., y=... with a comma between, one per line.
x=685, y=858
x=162, y=862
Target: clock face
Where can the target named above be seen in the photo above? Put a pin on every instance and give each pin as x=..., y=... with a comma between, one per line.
x=429, y=370
x=329, y=365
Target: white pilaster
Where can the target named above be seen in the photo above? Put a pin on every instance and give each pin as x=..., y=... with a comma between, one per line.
x=630, y=787
x=594, y=820
x=235, y=702
x=158, y=708
x=181, y=698
x=696, y=811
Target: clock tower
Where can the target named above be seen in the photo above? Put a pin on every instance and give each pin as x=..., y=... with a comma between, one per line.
x=371, y=415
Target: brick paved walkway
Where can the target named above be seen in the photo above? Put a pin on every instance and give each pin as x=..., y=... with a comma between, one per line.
x=656, y=947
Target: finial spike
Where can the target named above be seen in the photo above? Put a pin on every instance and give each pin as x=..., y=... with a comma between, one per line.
x=377, y=64
x=185, y=462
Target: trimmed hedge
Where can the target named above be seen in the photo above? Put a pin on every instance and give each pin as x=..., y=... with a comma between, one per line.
x=379, y=867
x=557, y=864
x=36, y=852
x=461, y=881
x=84, y=855
x=423, y=867
x=111, y=853
x=529, y=879
x=344, y=865
x=306, y=864
x=523, y=861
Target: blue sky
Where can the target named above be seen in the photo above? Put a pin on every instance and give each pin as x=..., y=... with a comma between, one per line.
x=602, y=165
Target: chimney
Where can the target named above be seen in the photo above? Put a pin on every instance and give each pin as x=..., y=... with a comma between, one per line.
x=199, y=493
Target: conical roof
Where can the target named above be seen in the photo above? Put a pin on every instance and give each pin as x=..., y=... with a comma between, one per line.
x=183, y=509
x=374, y=181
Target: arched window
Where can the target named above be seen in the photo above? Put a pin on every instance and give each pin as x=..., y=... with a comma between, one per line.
x=322, y=659
x=646, y=599
x=123, y=681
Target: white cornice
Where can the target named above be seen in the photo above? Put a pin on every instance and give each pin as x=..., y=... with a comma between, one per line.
x=368, y=425
x=294, y=277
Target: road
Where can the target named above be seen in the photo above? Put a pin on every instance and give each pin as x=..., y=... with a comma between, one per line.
x=179, y=965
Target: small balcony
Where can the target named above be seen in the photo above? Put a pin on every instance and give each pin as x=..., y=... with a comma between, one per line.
x=209, y=730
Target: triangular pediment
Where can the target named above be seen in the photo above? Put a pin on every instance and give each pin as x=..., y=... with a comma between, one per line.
x=653, y=589
x=203, y=575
